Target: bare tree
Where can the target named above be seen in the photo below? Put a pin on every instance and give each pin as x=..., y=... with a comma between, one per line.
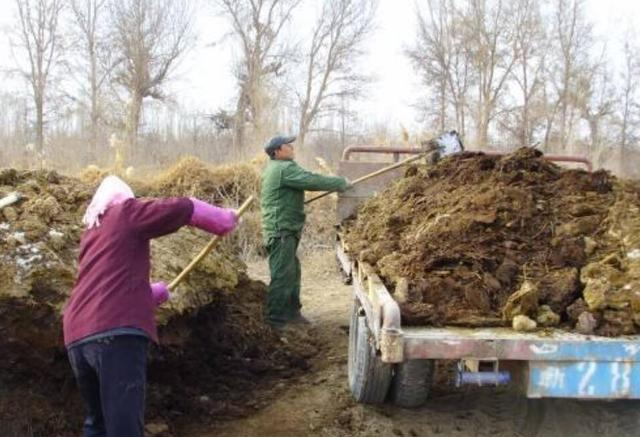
x=630, y=100
x=340, y=31
x=429, y=58
x=258, y=27
x=463, y=48
x=150, y=36
x=439, y=56
x=94, y=58
x=489, y=32
x=595, y=98
x=572, y=33
x=38, y=37
x=528, y=72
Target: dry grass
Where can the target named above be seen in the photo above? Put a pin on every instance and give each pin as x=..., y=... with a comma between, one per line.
x=320, y=227
x=229, y=185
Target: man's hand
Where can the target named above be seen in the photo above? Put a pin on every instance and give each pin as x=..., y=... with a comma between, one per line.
x=349, y=184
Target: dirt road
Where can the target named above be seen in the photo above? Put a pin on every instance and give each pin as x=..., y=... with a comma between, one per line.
x=319, y=404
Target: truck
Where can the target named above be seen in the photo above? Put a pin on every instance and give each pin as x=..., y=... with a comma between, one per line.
x=389, y=362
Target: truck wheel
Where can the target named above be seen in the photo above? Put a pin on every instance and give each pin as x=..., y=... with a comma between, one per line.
x=411, y=383
x=369, y=377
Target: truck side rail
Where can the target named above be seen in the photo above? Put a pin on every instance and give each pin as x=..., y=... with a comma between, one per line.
x=507, y=344
x=396, y=151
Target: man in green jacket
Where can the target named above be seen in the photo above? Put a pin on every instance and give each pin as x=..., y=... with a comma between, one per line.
x=282, y=203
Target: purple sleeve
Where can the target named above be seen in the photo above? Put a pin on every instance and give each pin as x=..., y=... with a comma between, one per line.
x=210, y=218
x=155, y=218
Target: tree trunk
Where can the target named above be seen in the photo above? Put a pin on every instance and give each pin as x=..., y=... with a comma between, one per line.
x=259, y=100
x=564, y=107
x=624, y=165
x=343, y=124
x=483, y=135
x=302, y=136
x=594, y=128
x=303, y=129
x=460, y=117
x=526, y=132
x=39, y=101
x=239, y=126
x=93, y=142
x=483, y=125
x=131, y=125
x=463, y=121
x=443, y=107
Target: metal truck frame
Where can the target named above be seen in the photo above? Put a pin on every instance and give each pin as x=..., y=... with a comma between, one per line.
x=389, y=362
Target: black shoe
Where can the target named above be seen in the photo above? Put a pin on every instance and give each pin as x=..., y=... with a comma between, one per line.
x=300, y=320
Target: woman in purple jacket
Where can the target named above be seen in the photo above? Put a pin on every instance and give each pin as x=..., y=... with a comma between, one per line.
x=109, y=319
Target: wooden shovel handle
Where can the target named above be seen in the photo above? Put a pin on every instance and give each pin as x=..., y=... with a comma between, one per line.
x=374, y=174
x=208, y=248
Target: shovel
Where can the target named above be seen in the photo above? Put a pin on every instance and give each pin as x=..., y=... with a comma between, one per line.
x=208, y=248
x=431, y=148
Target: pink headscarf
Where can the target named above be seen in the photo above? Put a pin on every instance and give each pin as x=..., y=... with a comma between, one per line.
x=112, y=191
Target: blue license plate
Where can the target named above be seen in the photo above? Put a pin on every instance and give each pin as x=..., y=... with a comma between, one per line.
x=584, y=379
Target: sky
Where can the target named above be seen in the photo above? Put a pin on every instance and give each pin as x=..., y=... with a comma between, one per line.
x=204, y=81
x=388, y=99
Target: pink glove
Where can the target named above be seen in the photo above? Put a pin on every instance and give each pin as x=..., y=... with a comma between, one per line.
x=159, y=292
x=219, y=221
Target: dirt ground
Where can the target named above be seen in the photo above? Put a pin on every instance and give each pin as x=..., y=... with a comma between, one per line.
x=221, y=371
x=319, y=404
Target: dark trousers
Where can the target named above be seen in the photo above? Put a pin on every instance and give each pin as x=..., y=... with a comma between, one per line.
x=111, y=373
x=283, y=300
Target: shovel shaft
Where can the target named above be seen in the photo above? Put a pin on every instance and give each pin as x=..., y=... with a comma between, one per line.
x=389, y=168
x=208, y=248
x=374, y=174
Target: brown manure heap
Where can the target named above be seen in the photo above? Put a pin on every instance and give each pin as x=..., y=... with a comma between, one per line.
x=479, y=240
x=215, y=351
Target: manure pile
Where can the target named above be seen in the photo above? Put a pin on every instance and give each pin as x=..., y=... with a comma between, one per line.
x=215, y=347
x=480, y=240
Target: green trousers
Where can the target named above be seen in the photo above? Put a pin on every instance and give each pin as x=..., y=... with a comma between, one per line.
x=283, y=299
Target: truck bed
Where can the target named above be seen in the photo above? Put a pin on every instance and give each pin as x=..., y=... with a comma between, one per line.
x=548, y=362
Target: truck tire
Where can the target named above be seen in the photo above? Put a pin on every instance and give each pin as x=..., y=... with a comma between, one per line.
x=369, y=377
x=411, y=383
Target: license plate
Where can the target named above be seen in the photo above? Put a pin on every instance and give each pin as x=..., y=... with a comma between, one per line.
x=584, y=379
